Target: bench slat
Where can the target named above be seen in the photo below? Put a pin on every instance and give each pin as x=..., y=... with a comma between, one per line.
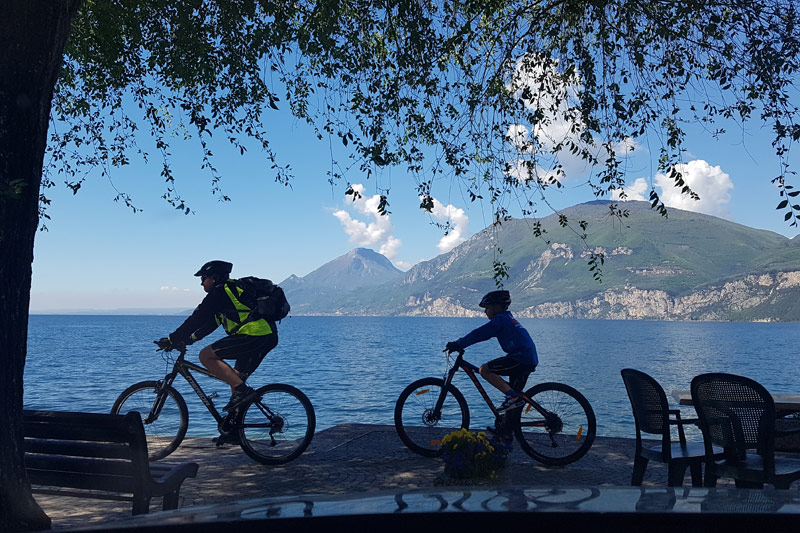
x=78, y=448
x=78, y=493
x=79, y=480
x=79, y=432
x=74, y=417
x=83, y=465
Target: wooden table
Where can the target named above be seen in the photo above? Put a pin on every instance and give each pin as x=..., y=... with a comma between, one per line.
x=783, y=402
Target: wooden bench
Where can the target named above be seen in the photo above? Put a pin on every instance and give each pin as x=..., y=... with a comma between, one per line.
x=100, y=456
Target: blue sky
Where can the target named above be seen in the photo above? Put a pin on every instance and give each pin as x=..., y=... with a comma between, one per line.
x=98, y=254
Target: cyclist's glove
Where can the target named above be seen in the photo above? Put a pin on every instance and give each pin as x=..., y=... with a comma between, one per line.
x=453, y=347
x=164, y=344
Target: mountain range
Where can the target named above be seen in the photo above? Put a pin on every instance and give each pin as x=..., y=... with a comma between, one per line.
x=688, y=266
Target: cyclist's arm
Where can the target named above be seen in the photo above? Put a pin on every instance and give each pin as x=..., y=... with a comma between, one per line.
x=204, y=330
x=483, y=333
x=200, y=319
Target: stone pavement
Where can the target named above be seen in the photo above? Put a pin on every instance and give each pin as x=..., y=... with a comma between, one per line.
x=349, y=458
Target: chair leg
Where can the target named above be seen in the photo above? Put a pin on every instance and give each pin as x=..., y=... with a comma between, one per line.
x=696, y=468
x=710, y=478
x=676, y=471
x=639, y=466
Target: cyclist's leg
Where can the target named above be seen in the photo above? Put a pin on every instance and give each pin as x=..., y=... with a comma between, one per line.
x=505, y=366
x=248, y=351
x=241, y=348
x=518, y=375
x=209, y=357
x=489, y=372
x=247, y=364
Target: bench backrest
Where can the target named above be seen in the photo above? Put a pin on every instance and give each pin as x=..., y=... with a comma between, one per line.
x=86, y=450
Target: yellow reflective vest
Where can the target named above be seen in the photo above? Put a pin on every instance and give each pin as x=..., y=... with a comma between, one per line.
x=241, y=323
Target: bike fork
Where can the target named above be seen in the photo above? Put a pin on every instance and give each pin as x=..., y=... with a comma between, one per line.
x=158, y=403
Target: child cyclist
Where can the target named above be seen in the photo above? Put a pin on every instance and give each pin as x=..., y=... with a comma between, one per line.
x=520, y=359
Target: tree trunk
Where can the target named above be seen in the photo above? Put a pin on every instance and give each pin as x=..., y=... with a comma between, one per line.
x=32, y=38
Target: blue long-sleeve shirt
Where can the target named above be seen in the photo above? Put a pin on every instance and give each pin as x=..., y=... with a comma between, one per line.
x=513, y=338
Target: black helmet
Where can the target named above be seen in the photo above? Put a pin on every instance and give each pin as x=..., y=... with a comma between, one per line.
x=219, y=270
x=496, y=297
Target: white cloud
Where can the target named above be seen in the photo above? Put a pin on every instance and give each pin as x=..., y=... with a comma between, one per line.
x=518, y=135
x=405, y=265
x=389, y=248
x=375, y=233
x=523, y=172
x=459, y=225
x=711, y=183
x=636, y=191
x=167, y=288
x=554, y=95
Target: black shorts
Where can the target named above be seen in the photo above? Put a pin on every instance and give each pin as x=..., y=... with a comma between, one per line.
x=517, y=372
x=247, y=350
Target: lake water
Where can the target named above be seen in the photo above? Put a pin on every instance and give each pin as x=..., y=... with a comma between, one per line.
x=353, y=368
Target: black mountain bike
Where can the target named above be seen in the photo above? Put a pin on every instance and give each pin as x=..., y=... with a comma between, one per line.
x=556, y=426
x=275, y=427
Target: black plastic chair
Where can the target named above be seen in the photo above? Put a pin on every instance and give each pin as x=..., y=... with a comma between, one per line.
x=738, y=414
x=653, y=415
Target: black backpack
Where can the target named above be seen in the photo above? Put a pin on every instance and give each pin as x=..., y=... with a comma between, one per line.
x=264, y=298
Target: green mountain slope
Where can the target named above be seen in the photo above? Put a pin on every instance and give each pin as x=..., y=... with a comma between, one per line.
x=686, y=266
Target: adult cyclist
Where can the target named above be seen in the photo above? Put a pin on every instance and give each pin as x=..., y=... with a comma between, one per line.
x=521, y=357
x=249, y=338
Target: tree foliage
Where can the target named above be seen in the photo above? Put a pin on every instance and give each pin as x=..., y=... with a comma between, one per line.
x=494, y=96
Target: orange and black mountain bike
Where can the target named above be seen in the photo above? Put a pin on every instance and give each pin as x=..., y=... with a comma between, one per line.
x=556, y=426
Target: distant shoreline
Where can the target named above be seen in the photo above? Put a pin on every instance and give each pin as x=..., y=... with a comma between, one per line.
x=171, y=313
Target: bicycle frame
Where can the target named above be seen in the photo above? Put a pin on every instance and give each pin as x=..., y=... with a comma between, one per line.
x=183, y=368
x=227, y=422
x=471, y=370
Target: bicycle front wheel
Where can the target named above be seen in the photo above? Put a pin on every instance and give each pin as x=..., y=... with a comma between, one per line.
x=419, y=425
x=565, y=433
x=278, y=425
x=165, y=417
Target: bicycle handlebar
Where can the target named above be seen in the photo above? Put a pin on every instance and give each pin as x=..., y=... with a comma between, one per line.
x=181, y=348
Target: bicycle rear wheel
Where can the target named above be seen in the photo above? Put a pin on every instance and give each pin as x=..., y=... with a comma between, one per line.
x=418, y=425
x=167, y=428
x=565, y=434
x=278, y=425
